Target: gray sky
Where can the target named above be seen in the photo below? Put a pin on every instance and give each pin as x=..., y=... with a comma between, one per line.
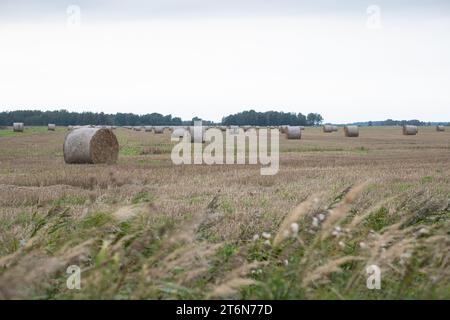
x=349, y=61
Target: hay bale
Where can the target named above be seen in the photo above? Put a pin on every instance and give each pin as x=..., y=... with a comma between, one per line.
x=178, y=133
x=293, y=132
x=328, y=128
x=51, y=127
x=197, y=135
x=137, y=128
x=148, y=128
x=158, y=130
x=440, y=128
x=351, y=131
x=90, y=145
x=410, y=130
x=18, y=126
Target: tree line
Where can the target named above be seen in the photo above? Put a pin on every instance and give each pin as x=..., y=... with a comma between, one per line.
x=272, y=118
x=65, y=118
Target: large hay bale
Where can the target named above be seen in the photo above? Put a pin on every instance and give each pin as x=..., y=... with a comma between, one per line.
x=148, y=128
x=410, y=130
x=51, y=127
x=178, y=133
x=197, y=134
x=440, y=128
x=293, y=132
x=18, y=126
x=351, y=131
x=158, y=130
x=90, y=145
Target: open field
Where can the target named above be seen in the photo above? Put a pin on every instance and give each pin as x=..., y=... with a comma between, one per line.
x=147, y=229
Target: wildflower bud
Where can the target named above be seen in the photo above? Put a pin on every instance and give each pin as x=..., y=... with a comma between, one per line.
x=294, y=228
x=315, y=222
x=266, y=235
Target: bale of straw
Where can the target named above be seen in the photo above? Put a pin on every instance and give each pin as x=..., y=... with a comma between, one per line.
x=158, y=130
x=410, y=130
x=197, y=134
x=137, y=128
x=69, y=128
x=335, y=128
x=327, y=128
x=91, y=145
x=51, y=127
x=440, y=128
x=283, y=129
x=293, y=132
x=351, y=131
x=178, y=133
x=18, y=126
x=148, y=128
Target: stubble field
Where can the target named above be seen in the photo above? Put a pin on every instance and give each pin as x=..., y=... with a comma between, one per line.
x=147, y=229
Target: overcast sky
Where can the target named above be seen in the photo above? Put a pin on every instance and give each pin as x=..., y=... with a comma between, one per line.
x=348, y=60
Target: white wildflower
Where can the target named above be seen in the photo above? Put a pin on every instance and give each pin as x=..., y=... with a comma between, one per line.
x=294, y=228
x=266, y=235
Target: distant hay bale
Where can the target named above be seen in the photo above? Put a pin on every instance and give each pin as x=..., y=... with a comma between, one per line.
x=410, y=130
x=197, y=134
x=302, y=128
x=178, y=133
x=148, y=128
x=18, y=126
x=293, y=132
x=51, y=127
x=137, y=128
x=158, y=130
x=440, y=128
x=327, y=128
x=335, y=128
x=90, y=145
x=351, y=131
x=69, y=128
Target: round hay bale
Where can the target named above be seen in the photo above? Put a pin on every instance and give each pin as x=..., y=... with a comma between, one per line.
x=327, y=128
x=90, y=145
x=18, y=126
x=410, y=130
x=158, y=130
x=440, y=128
x=178, y=133
x=197, y=135
x=148, y=129
x=351, y=131
x=51, y=127
x=293, y=132
x=283, y=129
x=69, y=128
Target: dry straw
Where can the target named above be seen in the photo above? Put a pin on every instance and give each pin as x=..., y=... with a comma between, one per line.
x=410, y=130
x=18, y=126
x=329, y=128
x=178, y=133
x=90, y=145
x=158, y=130
x=293, y=132
x=351, y=131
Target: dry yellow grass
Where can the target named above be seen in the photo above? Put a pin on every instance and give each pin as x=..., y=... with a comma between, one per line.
x=156, y=230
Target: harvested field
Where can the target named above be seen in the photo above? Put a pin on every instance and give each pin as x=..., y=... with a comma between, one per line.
x=144, y=228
